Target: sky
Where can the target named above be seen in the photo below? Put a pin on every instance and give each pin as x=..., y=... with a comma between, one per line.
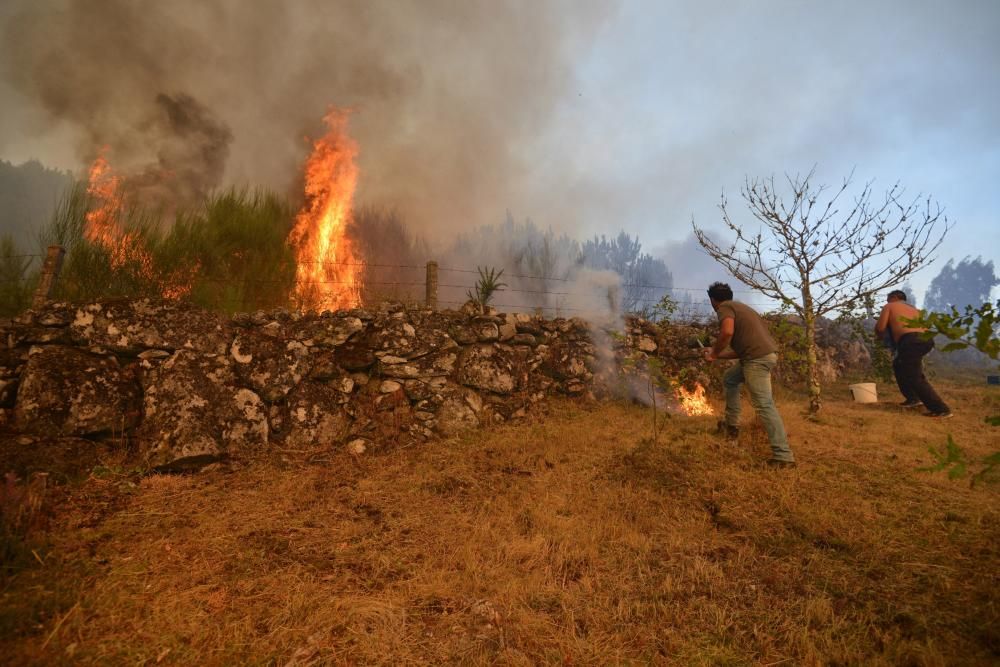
x=589, y=117
x=684, y=100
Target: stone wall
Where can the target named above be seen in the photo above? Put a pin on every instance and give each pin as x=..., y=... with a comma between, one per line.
x=184, y=386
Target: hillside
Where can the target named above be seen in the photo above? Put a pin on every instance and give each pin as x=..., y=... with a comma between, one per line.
x=570, y=539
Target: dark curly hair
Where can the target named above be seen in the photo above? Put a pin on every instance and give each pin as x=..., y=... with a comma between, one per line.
x=720, y=292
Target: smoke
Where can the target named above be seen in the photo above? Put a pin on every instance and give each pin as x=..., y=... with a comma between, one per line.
x=446, y=96
x=191, y=153
x=95, y=67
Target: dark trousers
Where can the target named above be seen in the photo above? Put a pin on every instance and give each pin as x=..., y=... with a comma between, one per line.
x=909, y=369
x=905, y=389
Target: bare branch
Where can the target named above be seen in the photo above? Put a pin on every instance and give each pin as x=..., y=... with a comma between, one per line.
x=818, y=256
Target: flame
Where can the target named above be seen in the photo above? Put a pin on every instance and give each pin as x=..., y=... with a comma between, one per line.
x=104, y=190
x=694, y=403
x=125, y=248
x=328, y=273
x=102, y=227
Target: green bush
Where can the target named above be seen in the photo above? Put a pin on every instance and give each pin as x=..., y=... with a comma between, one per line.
x=17, y=280
x=230, y=254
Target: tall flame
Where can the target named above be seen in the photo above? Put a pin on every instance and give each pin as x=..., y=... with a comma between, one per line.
x=328, y=272
x=694, y=403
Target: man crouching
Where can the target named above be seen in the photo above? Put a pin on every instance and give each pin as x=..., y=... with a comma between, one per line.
x=746, y=334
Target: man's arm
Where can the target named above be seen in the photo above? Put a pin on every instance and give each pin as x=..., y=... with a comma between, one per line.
x=883, y=320
x=726, y=330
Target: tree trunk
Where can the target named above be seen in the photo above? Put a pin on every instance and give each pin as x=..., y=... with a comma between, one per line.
x=812, y=360
x=812, y=365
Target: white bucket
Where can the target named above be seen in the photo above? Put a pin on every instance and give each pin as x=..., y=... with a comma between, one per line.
x=864, y=392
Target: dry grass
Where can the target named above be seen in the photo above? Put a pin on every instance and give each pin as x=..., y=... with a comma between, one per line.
x=572, y=540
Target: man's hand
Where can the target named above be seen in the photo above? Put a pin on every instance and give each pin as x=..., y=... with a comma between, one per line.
x=709, y=354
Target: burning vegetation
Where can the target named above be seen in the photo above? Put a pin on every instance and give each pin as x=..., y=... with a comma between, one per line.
x=327, y=268
x=243, y=251
x=328, y=271
x=694, y=402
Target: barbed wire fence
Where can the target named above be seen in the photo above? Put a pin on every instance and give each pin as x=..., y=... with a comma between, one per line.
x=539, y=294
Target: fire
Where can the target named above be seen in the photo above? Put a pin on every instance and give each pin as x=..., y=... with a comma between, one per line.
x=104, y=190
x=125, y=248
x=328, y=273
x=102, y=220
x=694, y=403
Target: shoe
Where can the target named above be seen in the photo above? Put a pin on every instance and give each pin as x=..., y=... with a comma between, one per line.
x=731, y=433
x=911, y=404
x=778, y=464
x=940, y=415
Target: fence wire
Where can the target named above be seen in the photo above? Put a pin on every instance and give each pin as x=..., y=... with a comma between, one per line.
x=567, y=293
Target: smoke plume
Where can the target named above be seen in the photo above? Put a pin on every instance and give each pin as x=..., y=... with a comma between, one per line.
x=446, y=96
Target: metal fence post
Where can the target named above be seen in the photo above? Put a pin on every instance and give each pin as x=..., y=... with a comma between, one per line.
x=432, y=285
x=50, y=273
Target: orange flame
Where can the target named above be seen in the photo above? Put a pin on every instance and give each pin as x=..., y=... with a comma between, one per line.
x=102, y=227
x=102, y=221
x=694, y=403
x=104, y=189
x=328, y=273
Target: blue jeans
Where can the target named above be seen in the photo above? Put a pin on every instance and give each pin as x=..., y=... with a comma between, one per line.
x=756, y=373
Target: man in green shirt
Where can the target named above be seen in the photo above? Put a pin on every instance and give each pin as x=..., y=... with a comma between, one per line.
x=744, y=335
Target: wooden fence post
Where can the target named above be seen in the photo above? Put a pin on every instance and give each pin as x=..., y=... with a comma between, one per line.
x=614, y=300
x=432, y=285
x=50, y=273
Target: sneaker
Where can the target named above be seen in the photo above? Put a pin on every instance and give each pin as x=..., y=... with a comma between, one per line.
x=911, y=404
x=778, y=464
x=940, y=415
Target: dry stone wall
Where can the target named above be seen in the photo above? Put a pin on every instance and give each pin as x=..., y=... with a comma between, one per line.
x=185, y=386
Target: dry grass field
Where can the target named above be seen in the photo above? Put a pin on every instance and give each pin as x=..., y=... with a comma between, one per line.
x=570, y=539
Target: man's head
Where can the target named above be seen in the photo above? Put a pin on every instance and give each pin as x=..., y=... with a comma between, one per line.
x=896, y=295
x=719, y=292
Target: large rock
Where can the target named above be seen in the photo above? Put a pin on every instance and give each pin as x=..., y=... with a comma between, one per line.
x=508, y=327
x=487, y=367
x=569, y=361
x=194, y=412
x=355, y=356
x=64, y=391
x=396, y=336
x=272, y=367
x=438, y=364
x=316, y=416
x=329, y=332
x=129, y=327
x=458, y=411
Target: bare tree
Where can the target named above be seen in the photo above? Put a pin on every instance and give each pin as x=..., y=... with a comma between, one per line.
x=817, y=254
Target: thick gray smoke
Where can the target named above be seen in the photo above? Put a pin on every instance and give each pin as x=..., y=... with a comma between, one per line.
x=94, y=66
x=191, y=151
x=446, y=93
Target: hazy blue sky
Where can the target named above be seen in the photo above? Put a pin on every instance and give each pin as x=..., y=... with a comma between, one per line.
x=682, y=100
x=589, y=117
